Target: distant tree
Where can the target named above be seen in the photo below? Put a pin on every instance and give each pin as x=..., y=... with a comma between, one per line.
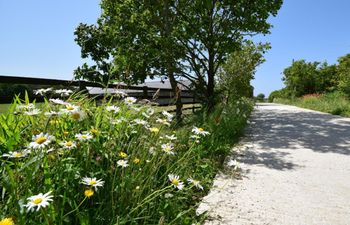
x=300, y=77
x=260, y=97
x=235, y=75
x=343, y=71
x=326, y=78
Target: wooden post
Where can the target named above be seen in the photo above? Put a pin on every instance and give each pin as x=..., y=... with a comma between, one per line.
x=145, y=92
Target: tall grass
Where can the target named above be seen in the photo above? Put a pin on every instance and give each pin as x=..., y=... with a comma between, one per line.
x=335, y=103
x=146, y=171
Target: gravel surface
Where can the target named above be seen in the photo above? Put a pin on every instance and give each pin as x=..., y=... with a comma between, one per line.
x=294, y=169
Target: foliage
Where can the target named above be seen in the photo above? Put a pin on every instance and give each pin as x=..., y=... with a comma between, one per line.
x=260, y=97
x=343, y=70
x=134, y=39
x=235, y=75
x=282, y=93
x=130, y=150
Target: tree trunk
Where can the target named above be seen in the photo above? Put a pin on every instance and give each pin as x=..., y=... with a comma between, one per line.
x=210, y=87
x=177, y=97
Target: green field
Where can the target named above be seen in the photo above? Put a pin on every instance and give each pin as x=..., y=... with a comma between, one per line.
x=4, y=107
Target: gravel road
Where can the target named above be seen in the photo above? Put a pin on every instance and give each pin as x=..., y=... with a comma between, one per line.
x=295, y=170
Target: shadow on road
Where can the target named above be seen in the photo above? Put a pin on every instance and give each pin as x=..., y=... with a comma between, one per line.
x=274, y=128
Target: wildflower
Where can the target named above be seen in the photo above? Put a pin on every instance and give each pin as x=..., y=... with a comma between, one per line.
x=175, y=181
x=51, y=113
x=83, y=137
x=32, y=112
x=130, y=100
x=78, y=115
x=150, y=111
x=39, y=201
x=41, y=140
x=168, y=115
x=94, y=131
x=123, y=163
x=168, y=149
x=168, y=195
x=68, y=144
x=6, y=221
x=152, y=151
x=25, y=107
x=93, y=182
x=17, y=154
x=42, y=91
x=154, y=130
x=200, y=131
x=122, y=155
x=58, y=101
x=140, y=122
x=172, y=137
x=120, y=93
x=233, y=163
x=70, y=108
x=195, y=183
x=113, y=108
x=136, y=161
x=163, y=121
x=89, y=192
x=63, y=92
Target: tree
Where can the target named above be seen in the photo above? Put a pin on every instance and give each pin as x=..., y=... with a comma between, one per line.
x=235, y=75
x=260, y=97
x=300, y=77
x=135, y=39
x=343, y=71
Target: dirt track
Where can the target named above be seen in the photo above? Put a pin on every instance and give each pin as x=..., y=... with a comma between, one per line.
x=295, y=167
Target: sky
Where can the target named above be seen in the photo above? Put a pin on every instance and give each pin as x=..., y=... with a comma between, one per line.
x=37, y=37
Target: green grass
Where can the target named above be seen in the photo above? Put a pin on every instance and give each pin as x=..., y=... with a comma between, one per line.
x=4, y=107
x=334, y=103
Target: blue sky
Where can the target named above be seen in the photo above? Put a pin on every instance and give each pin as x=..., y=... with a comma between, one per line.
x=37, y=37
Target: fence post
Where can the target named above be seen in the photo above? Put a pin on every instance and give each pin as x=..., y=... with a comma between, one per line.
x=145, y=92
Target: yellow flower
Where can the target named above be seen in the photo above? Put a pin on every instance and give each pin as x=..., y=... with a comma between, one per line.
x=94, y=131
x=154, y=130
x=122, y=155
x=65, y=133
x=7, y=221
x=89, y=192
x=136, y=161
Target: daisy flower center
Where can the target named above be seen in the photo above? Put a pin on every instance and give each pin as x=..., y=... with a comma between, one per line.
x=92, y=182
x=40, y=140
x=200, y=129
x=37, y=201
x=18, y=154
x=76, y=116
x=175, y=182
x=70, y=108
x=69, y=143
x=83, y=136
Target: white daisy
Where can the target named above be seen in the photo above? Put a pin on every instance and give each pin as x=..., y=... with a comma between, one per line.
x=84, y=137
x=233, y=163
x=168, y=115
x=63, y=92
x=123, y=163
x=140, y=122
x=32, y=112
x=175, y=181
x=42, y=91
x=195, y=183
x=68, y=144
x=78, y=115
x=130, y=100
x=172, y=137
x=17, y=154
x=41, y=141
x=25, y=107
x=168, y=149
x=93, y=182
x=163, y=121
x=200, y=131
x=113, y=108
x=39, y=201
x=70, y=108
x=51, y=113
x=58, y=101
